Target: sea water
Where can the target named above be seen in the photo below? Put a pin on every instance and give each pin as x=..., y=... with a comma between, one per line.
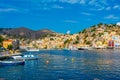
x=66, y=65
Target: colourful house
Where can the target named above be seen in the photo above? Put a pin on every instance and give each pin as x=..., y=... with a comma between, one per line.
x=111, y=43
x=7, y=42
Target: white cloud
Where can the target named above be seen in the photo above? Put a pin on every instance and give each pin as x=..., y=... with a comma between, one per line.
x=68, y=32
x=97, y=5
x=82, y=2
x=91, y=2
x=70, y=21
x=118, y=23
x=74, y=1
x=87, y=2
x=111, y=17
x=46, y=6
x=101, y=8
x=85, y=13
x=7, y=9
x=57, y=7
x=108, y=8
x=40, y=1
x=116, y=7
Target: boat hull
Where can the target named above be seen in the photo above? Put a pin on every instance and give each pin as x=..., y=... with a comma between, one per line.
x=12, y=63
x=82, y=49
x=32, y=50
x=29, y=58
x=25, y=57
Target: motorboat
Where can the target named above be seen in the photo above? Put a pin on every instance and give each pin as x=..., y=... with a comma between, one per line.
x=25, y=57
x=82, y=49
x=29, y=57
x=32, y=50
x=12, y=62
x=17, y=57
x=85, y=48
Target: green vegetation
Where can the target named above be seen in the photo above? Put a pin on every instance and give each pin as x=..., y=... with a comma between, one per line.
x=93, y=35
x=1, y=40
x=51, y=39
x=86, y=36
x=66, y=41
x=77, y=37
x=45, y=47
x=100, y=34
x=84, y=31
x=93, y=29
x=76, y=42
x=10, y=47
x=99, y=25
x=93, y=26
x=88, y=42
x=35, y=46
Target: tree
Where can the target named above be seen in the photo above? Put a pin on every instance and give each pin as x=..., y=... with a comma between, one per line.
x=51, y=39
x=77, y=37
x=76, y=42
x=66, y=41
x=84, y=31
x=93, y=29
x=88, y=43
x=45, y=47
x=1, y=40
x=100, y=34
x=93, y=35
x=99, y=25
x=10, y=47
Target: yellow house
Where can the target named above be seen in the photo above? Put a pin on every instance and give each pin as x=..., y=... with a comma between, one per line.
x=7, y=42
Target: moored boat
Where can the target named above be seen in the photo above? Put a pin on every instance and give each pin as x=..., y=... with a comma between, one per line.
x=85, y=48
x=32, y=50
x=29, y=57
x=17, y=57
x=12, y=62
x=25, y=57
x=82, y=49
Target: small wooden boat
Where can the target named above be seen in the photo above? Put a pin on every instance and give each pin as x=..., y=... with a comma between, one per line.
x=12, y=62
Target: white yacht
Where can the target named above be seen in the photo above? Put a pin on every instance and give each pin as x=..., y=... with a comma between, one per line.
x=32, y=49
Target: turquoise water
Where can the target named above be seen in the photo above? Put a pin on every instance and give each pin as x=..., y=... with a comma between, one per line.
x=67, y=65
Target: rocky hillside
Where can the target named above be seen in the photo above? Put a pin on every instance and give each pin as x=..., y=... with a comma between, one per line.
x=23, y=32
x=99, y=33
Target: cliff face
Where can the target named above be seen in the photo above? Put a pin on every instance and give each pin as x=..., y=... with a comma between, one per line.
x=26, y=33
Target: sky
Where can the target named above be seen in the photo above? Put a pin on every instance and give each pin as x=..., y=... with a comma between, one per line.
x=58, y=15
